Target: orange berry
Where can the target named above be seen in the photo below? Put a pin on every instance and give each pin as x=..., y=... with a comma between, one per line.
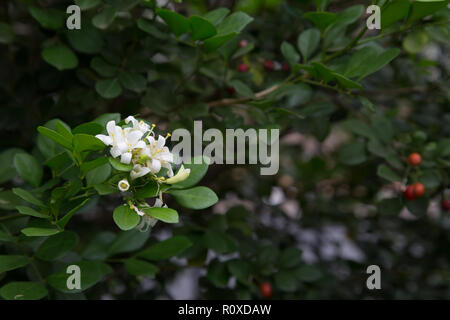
x=266, y=290
x=414, y=159
x=419, y=189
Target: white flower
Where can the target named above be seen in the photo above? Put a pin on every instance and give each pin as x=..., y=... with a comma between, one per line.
x=123, y=185
x=181, y=175
x=158, y=155
x=123, y=141
x=138, y=171
x=147, y=221
x=138, y=125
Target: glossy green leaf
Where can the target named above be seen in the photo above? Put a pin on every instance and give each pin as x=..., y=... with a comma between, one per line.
x=195, y=198
x=166, y=249
x=125, y=218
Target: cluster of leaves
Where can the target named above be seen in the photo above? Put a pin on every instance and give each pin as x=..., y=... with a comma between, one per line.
x=176, y=63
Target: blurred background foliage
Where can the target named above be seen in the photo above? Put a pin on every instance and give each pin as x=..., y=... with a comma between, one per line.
x=336, y=205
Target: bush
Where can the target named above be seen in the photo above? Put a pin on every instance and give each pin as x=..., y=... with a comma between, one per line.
x=364, y=149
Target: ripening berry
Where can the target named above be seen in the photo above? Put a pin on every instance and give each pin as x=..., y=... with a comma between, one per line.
x=285, y=66
x=243, y=67
x=409, y=193
x=414, y=159
x=243, y=43
x=419, y=189
x=266, y=290
x=445, y=205
x=231, y=90
x=269, y=65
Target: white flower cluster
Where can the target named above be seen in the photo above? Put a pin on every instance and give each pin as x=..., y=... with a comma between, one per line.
x=137, y=145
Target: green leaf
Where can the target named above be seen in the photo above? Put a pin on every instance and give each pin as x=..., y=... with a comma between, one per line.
x=87, y=4
x=55, y=136
x=195, y=198
x=150, y=190
x=353, y=153
x=138, y=267
x=29, y=168
x=164, y=214
x=308, y=274
x=240, y=269
x=64, y=220
x=349, y=15
x=87, y=40
x=48, y=18
x=28, y=197
x=360, y=128
x=394, y=11
x=6, y=33
x=321, y=19
x=11, y=262
x=217, y=41
x=216, y=16
x=103, y=68
x=380, y=61
x=40, y=232
x=104, y=19
x=85, y=142
x=290, y=257
x=307, y=42
x=31, y=212
x=92, y=128
x=128, y=241
x=289, y=53
x=125, y=217
x=98, y=246
x=201, y=28
x=423, y=8
x=23, y=291
x=241, y=88
x=93, y=164
x=98, y=175
x=198, y=171
x=166, y=249
x=119, y=166
x=56, y=246
x=92, y=272
x=346, y=82
x=108, y=88
x=286, y=281
x=318, y=110
x=133, y=81
x=177, y=23
x=367, y=103
x=234, y=23
x=60, y=56
x=218, y=273
x=218, y=241
x=385, y=172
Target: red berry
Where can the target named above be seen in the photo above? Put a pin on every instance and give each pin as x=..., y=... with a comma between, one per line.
x=445, y=205
x=419, y=189
x=243, y=67
x=266, y=290
x=414, y=159
x=409, y=193
x=243, y=43
x=231, y=90
x=269, y=65
x=285, y=66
